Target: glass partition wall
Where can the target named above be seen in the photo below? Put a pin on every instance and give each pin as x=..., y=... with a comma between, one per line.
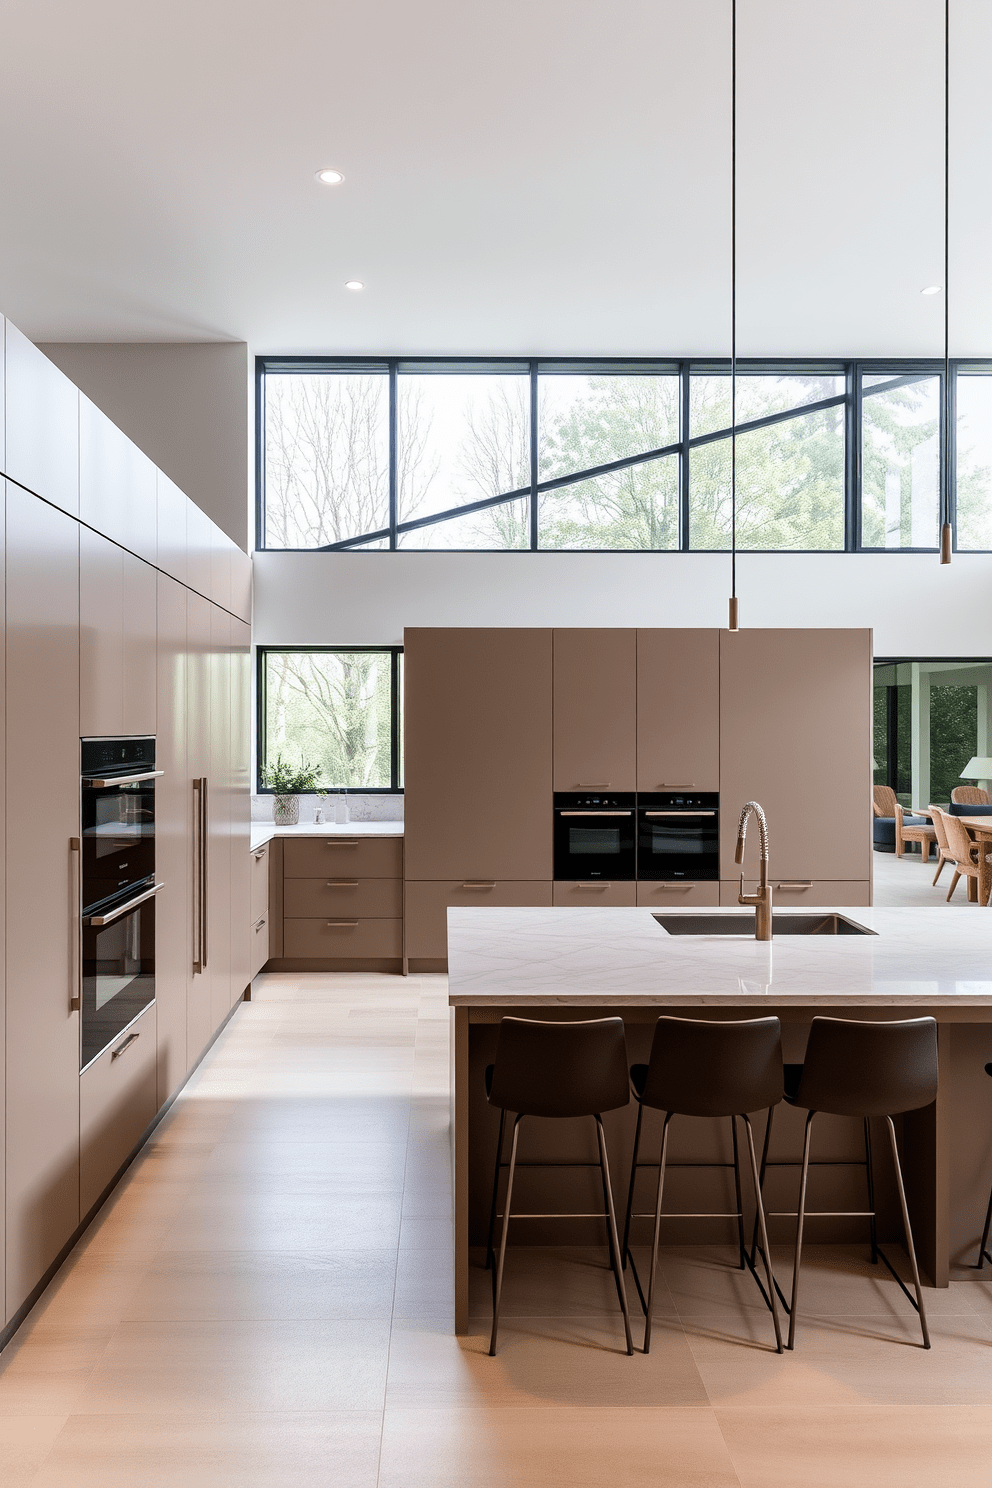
x=931, y=717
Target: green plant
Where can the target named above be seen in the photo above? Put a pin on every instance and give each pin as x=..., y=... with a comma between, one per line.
x=286, y=780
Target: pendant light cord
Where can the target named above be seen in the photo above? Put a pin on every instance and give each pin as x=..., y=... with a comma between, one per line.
x=733, y=300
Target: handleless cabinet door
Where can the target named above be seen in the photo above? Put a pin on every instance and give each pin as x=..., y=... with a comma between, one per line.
x=173, y=840
x=198, y=999
x=42, y=408
x=101, y=635
x=117, y=484
x=3, y=871
x=221, y=792
x=478, y=754
x=795, y=735
x=595, y=709
x=42, y=806
x=678, y=710
x=171, y=524
x=140, y=603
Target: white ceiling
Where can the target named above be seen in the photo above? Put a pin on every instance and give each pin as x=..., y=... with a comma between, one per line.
x=534, y=176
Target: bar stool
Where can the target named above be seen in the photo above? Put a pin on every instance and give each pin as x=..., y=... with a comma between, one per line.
x=865, y=1069
x=983, y=1249
x=700, y=1068
x=558, y=1070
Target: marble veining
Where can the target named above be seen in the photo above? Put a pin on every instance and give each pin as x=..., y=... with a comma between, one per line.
x=498, y=957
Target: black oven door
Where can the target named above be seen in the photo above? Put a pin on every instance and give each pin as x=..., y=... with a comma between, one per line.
x=118, y=837
x=594, y=837
x=678, y=839
x=118, y=970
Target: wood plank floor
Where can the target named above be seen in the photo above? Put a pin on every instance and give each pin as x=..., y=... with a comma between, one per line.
x=266, y=1300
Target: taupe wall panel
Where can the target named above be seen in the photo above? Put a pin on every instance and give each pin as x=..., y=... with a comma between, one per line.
x=173, y=838
x=478, y=754
x=678, y=709
x=795, y=734
x=595, y=709
x=42, y=604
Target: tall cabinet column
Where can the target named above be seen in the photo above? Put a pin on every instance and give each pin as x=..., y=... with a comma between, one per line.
x=42, y=819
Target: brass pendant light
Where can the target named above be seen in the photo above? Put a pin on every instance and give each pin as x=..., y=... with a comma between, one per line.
x=733, y=615
x=946, y=537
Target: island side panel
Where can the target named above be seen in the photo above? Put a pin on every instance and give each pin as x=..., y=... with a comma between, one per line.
x=460, y=1160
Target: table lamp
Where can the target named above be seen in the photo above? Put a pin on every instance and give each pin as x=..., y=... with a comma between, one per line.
x=979, y=768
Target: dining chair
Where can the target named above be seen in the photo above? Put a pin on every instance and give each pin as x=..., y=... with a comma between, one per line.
x=908, y=828
x=970, y=795
x=963, y=850
x=944, y=854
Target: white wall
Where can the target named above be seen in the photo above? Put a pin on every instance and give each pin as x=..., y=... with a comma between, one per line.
x=915, y=607
x=188, y=406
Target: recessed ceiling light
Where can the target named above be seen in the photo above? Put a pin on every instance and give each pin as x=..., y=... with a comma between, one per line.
x=932, y=289
x=330, y=176
x=353, y=284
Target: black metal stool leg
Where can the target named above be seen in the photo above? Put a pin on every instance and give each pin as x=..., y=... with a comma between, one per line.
x=764, y=1166
x=909, y=1233
x=983, y=1249
x=737, y=1191
x=490, y=1258
x=498, y=1291
x=657, y=1233
x=604, y=1168
x=870, y=1175
x=800, y=1216
x=760, y=1220
x=630, y=1189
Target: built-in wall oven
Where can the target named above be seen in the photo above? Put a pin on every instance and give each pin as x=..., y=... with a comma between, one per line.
x=678, y=836
x=117, y=817
x=594, y=835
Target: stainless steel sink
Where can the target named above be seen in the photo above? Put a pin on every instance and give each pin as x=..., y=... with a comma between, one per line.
x=734, y=923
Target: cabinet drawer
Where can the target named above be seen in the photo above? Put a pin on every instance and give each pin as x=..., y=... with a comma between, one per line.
x=674, y=895
x=258, y=952
x=117, y=1104
x=587, y=895
x=427, y=907
x=344, y=857
x=347, y=938
x=259, y=882
x=338, y=898
x=789, y=892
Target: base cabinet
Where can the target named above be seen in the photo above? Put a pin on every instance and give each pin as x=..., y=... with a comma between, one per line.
x=427, y=906
x=117, y=1104
x=677, y=895
x=795, y=893
x=342, y=903
x=588, y=895
x=258, y=950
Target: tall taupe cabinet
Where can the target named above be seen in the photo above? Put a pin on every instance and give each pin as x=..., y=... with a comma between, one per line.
x=124, y=611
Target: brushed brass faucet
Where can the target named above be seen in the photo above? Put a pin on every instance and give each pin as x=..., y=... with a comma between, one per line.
x=762, y=900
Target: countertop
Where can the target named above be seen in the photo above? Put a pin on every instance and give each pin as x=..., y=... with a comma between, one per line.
x=622, y=957
x=262, y=832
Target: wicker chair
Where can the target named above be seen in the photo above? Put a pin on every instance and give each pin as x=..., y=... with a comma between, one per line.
x=970, y=795
x=908, y=828
x=963, y=851
x=944, y=854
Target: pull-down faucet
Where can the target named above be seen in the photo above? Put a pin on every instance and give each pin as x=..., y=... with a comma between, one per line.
x=762, y=900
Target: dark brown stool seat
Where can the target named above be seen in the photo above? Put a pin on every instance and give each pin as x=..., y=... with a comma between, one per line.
x=700, y=1068
x=865, y=1069
x=983, y=1249
x=557, y=1070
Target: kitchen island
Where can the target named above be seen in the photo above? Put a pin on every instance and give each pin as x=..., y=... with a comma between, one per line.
x=579, y=963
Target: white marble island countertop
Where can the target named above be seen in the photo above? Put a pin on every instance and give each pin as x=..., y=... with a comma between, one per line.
x=622, y=957
x=263, y=832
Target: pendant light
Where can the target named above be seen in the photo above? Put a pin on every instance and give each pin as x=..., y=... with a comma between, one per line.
x=945, y=493
x=733, y=616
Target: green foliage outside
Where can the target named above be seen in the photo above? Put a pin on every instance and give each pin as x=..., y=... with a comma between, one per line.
x=900, y=458
x=953, y=737
x=332, y=708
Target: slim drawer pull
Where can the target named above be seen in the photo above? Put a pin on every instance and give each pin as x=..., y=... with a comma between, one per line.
x=260, y=854
x=342, y=883
x=593, y=784
x=595, y=887
x=341, y=924
x=260, y=926
x=479, y=884
x=340, y=841
x=122, y=1048
x=798, y=884
x=673, y=888
x=667, y=785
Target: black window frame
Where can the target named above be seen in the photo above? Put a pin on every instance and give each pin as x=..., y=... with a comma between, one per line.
x=395, y=788
x=852, y=370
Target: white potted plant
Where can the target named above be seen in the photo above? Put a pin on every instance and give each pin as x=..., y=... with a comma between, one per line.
x=288, y=783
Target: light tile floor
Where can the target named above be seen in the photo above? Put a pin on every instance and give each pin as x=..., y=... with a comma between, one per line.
x=266, y=1300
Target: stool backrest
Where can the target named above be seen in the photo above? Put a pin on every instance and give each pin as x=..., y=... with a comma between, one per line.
x=869, y=1069
x=560, y=1069
x=700, y=1068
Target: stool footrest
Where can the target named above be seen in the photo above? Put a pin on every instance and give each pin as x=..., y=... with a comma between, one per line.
x=706, y=1214
x=602, y=1214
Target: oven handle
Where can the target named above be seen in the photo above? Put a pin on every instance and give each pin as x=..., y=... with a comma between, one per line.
x=95, y=921
x=594, y=813
x=680, y=813
x=121, y=780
